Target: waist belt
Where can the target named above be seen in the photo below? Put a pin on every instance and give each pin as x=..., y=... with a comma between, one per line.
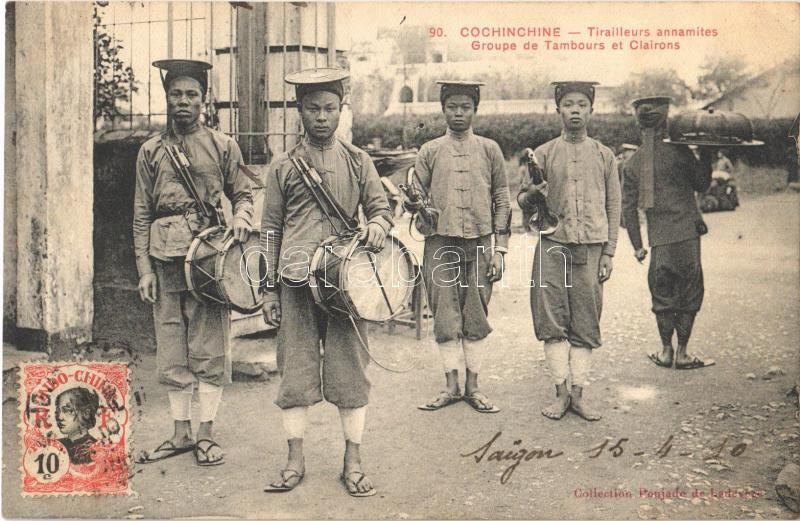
x=170, y=213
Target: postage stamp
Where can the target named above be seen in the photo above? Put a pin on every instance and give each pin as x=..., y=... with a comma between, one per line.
x=74, y=428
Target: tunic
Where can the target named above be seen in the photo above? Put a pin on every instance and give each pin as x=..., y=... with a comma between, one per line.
x=465, y=177
x=583, y=190
x=674, y=225
x=191, y=336
x=292, y=227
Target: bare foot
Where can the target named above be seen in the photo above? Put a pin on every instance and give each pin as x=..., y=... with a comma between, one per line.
x=558, y=409
x=355, y=481
x=664, y=358
x=295, y=469
x=181, y=439
x=210, y=452
x=580, y=408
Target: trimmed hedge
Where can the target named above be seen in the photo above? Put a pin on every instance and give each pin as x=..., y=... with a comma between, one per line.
x=514, y=132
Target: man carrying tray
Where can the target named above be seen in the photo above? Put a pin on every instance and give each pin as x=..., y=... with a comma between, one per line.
x=292, y=227
x=192, y=347
x=465, y=179
x=661, y=179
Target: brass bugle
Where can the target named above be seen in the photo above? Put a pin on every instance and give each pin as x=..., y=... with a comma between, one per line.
x=542, y=220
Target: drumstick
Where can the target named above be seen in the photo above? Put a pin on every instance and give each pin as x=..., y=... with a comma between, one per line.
x=371, y=257
x=304, y=176
x=317, y=181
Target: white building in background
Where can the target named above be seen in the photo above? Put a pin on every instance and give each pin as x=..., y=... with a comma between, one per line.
x=378, y=59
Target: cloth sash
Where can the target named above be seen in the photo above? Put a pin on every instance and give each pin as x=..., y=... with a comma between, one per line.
x=646, y=179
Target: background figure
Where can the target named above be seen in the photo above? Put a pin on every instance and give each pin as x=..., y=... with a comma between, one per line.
x=661, y=180
x=723, y=164
x=722, y=193
x=466, y=179
x=76, y=413
x=571, y=265
x=192, y=344
x=292, y=227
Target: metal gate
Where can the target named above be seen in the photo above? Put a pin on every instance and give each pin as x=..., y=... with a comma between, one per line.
x=251, y=47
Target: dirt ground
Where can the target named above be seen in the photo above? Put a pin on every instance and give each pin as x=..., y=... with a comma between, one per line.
x=748, y=324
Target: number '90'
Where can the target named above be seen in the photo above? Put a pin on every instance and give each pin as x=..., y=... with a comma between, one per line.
x=435, y=32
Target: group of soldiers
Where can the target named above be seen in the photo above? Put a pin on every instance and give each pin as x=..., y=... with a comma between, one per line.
x=464, y=177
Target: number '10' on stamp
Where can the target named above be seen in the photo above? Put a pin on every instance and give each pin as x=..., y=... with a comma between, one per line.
x=74, y=428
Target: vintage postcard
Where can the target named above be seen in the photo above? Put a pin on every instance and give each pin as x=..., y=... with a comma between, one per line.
x=406, y=260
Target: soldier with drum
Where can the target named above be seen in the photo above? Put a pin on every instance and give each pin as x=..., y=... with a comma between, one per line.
x=294, y=225
x=193, y=351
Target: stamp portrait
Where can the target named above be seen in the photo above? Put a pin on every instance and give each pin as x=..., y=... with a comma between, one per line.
x=74, y=428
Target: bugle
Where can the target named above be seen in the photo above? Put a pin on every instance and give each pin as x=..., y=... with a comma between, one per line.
x=542, y=220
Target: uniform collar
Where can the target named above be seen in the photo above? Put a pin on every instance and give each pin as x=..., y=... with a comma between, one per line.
x=460, y=136
x=191, y=130
x=307, y=142
x=574, y=139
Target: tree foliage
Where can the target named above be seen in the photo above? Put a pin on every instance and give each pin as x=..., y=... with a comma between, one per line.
x=114, y=81
x=721, y=75
x=514, y=132
x=651, y=82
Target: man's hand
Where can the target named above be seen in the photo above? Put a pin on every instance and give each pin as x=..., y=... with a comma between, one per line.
x=375, y=236
x=413, y=207
x=640, y=254
x=271, y=309
x=496, y=266
x=148, y=287
x=606, y=267
x=240, y=231
x=538, y=189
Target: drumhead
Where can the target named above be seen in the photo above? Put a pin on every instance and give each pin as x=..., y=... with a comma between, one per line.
x=378, y=285
x=324, y=273
x=200, y=262
x=238, y=273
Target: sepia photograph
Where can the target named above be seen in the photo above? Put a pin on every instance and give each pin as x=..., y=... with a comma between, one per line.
x=401, y=260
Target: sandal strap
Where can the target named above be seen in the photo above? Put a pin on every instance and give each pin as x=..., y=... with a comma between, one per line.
x=353, y=481
x=480, y=398
x=445, y=396
x=294, y=474
x=167, y=445
x=211, y=444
